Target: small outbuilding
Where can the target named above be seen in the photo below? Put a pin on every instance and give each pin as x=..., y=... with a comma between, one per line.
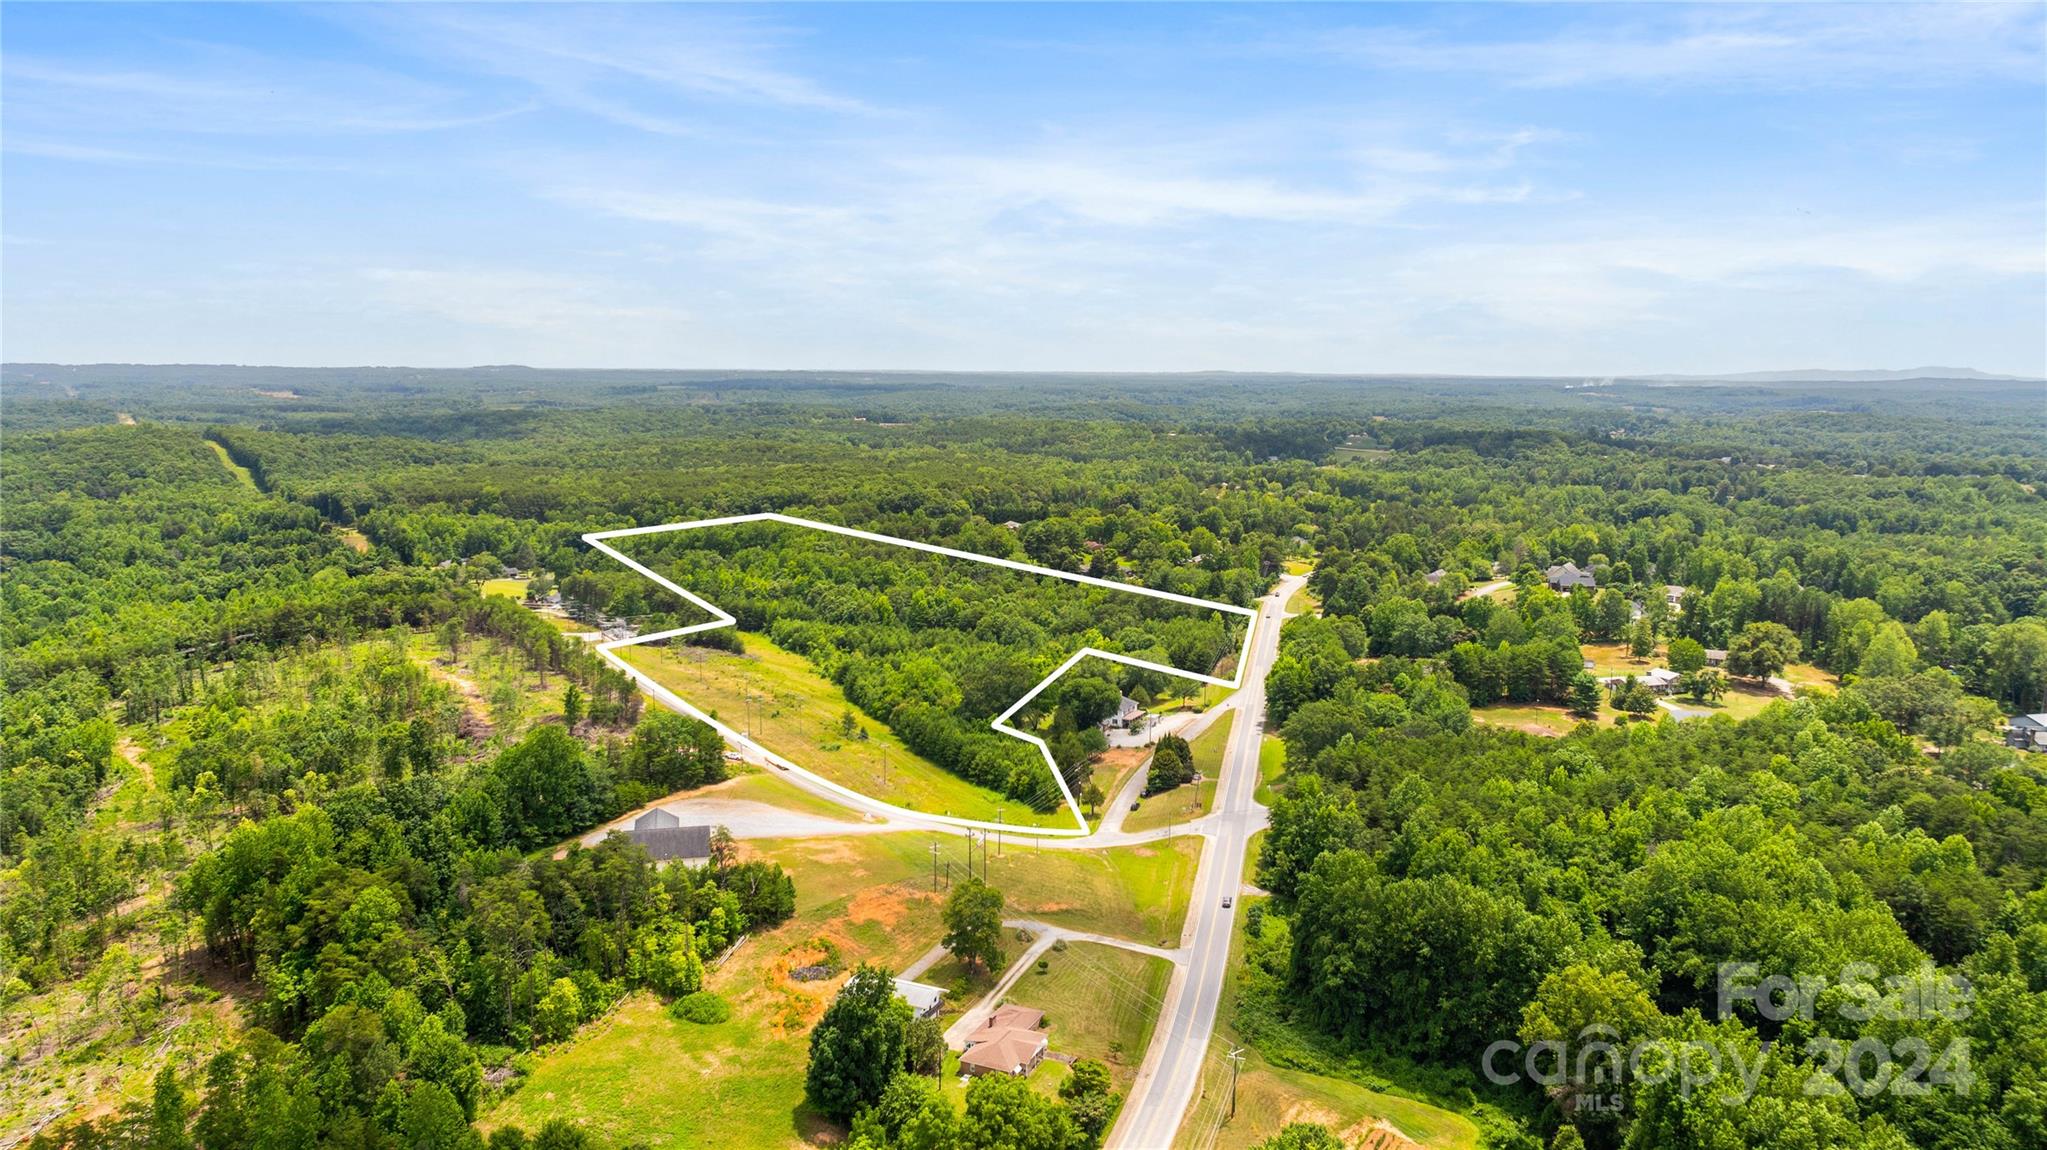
x=925, y=1001
x=666, y=839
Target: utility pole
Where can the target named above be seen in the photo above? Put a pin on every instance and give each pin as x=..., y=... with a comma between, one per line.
x=934, y=866
x=998, y=825
x=1236, y=1057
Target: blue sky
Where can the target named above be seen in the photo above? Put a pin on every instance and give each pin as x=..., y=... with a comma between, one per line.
x=1387, y=188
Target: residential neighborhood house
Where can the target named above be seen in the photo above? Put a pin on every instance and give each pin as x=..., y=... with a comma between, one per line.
x=2027, y=732
x=1566, y=575
x=1128, y=714
x=1010, y=1042
x=1661, y=680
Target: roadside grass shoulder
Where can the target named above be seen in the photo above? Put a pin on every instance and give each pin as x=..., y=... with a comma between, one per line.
x=1271, y=769
x=1270, y=1095
x=1303, y=602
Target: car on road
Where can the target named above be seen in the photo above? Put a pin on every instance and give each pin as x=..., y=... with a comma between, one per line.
x=1228, y=902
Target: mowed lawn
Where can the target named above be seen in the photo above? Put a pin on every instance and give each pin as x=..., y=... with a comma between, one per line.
x=1194, y=799
x=640, y=1076
x=1134, y=892
x=796, y=712
x=1100, y=1002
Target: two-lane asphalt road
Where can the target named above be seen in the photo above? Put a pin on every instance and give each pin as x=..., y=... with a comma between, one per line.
x=1172, y=1068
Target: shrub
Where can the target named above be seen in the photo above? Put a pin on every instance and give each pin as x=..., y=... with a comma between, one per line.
x=703, y=1008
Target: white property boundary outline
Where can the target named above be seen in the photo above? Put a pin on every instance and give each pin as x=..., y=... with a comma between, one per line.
x=720, y=618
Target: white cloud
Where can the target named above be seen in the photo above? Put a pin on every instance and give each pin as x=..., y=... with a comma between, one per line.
x=76, y=100
x=1789, y=45
x=627, y=65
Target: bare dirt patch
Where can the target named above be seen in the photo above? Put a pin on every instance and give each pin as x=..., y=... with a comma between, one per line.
x=885, y=905
x=1377, y=1135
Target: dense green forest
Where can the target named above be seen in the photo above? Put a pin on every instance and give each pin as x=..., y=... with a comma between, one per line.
x=265, y=744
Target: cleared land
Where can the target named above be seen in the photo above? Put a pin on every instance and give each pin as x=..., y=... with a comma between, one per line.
x=237, y=470
x=792, y=710
x=640, y=1076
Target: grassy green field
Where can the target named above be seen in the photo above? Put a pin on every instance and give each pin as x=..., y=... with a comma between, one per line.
x=1099, y=1001
x=775, y=789
x=1195, y=799
x=639, y=1076
x=509, y=588
x=1807, y=675
x=796, y=712
x=1270, y=1097
x=1534, y=718
x=1742, y=701
x=1613, y=659
x=1134, y=892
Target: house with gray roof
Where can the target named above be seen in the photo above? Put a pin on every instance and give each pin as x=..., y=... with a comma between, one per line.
x=2027, y=732
x=666, y=839
x=1566, y=575
x=925, y=1001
